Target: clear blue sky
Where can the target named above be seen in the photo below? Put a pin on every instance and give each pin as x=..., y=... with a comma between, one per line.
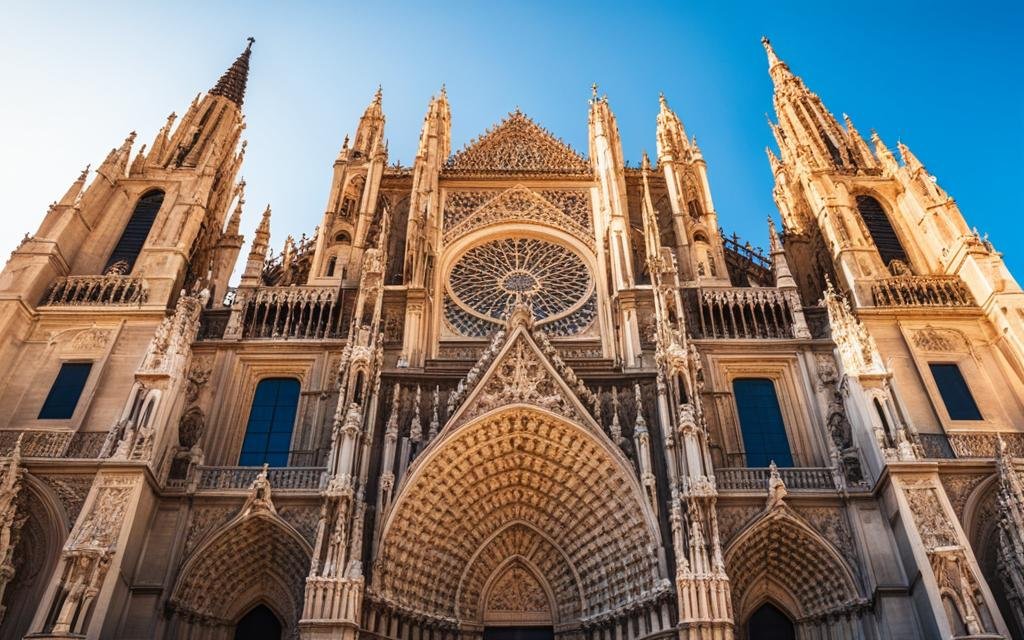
x=944, y=77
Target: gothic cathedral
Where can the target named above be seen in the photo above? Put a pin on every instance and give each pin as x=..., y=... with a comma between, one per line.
x=511, y=392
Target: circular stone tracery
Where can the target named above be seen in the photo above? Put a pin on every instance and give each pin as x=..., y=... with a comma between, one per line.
x=487, y=279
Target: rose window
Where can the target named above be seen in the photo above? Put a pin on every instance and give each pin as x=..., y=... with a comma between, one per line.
x=486, y=281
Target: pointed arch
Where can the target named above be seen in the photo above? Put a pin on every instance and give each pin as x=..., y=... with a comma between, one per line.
x=780, y=558
x=519, y=541
x=35, y=555
x=525, y=465
x=881, y=229
x=135, y=232
x=256, y=558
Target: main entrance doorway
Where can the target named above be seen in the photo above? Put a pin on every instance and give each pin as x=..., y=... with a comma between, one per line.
x=519, y=633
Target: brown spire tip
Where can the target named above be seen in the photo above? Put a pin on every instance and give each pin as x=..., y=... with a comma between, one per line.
x=232, y=84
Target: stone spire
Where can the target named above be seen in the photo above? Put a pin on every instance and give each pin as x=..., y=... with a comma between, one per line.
x=807, y=133
x=232, y=84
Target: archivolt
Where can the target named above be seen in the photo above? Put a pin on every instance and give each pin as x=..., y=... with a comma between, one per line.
x=520, y=540
x=780, y=552
x=256, y=558
x=521, y=465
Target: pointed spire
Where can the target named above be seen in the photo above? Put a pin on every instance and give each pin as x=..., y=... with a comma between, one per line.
x=910, y=161
x=232, y=84
x=75, y=190
x=885, y=156
x=777, y=69
x=235, y=221
x=783, y=276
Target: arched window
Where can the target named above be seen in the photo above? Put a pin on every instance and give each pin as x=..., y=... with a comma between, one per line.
x=764, y=433
x=259, y=624
x=331, y=264
x=769, y=623
x=135, y=233
x=268, y=435
x=881, y=230
x=342, y=238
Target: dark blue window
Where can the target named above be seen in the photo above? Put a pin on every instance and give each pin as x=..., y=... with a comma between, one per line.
x=268, y=436
x=764, y=433
x=954, y=391
x=67, y=388
x=135, y=232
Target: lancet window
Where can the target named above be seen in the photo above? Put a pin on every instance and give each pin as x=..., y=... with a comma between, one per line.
x=764, y=433
x=268, y=435
x=122, y=258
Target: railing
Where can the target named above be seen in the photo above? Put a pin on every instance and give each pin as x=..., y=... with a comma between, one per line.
x=281, y=478
x=747, y=264
x=756, y=478
x=740, y=313
x=298, y=313
x=54, y=444
x=921, y=291
x=95, y=291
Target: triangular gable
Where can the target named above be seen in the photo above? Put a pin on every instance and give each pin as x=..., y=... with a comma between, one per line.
x=518, y=145
x=521, y=203
x=521, y=374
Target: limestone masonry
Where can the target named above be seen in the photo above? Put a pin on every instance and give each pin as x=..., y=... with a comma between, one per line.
x=511, y=392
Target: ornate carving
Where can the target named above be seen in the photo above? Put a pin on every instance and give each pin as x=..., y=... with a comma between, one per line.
x=203, y=521
x=959, y=488
x=304, y=519
x=520, y=377
x=567, y=210
x=11, y=473
x=517, y=591
x=932, y=339
x=71, y=490
x=102, y=524
x=936, y=531
x=518, y=145
x=91, y=339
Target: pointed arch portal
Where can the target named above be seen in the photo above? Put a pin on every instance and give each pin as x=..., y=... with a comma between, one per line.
x=519, y=517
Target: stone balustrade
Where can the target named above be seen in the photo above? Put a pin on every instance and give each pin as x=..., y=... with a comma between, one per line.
x=96, y=291
x=297, y=313
x=921, y=291
x=54, y=444
x=742, y=312
x=241, y=478
x=756, y=478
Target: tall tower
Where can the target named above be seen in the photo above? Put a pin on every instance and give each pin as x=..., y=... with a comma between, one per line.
x=146, y=235
x=902, y=253
x=700, y=250
x=351, y=219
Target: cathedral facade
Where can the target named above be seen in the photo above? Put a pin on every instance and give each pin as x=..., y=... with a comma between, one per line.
x=511, y=392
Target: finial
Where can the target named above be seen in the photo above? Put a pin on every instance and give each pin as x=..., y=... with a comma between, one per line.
x=645, y=160
x=593, y=91
x=380, y=93
x=344, y=144
x=85, y=173
x=661, y=100
x=251, y=40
